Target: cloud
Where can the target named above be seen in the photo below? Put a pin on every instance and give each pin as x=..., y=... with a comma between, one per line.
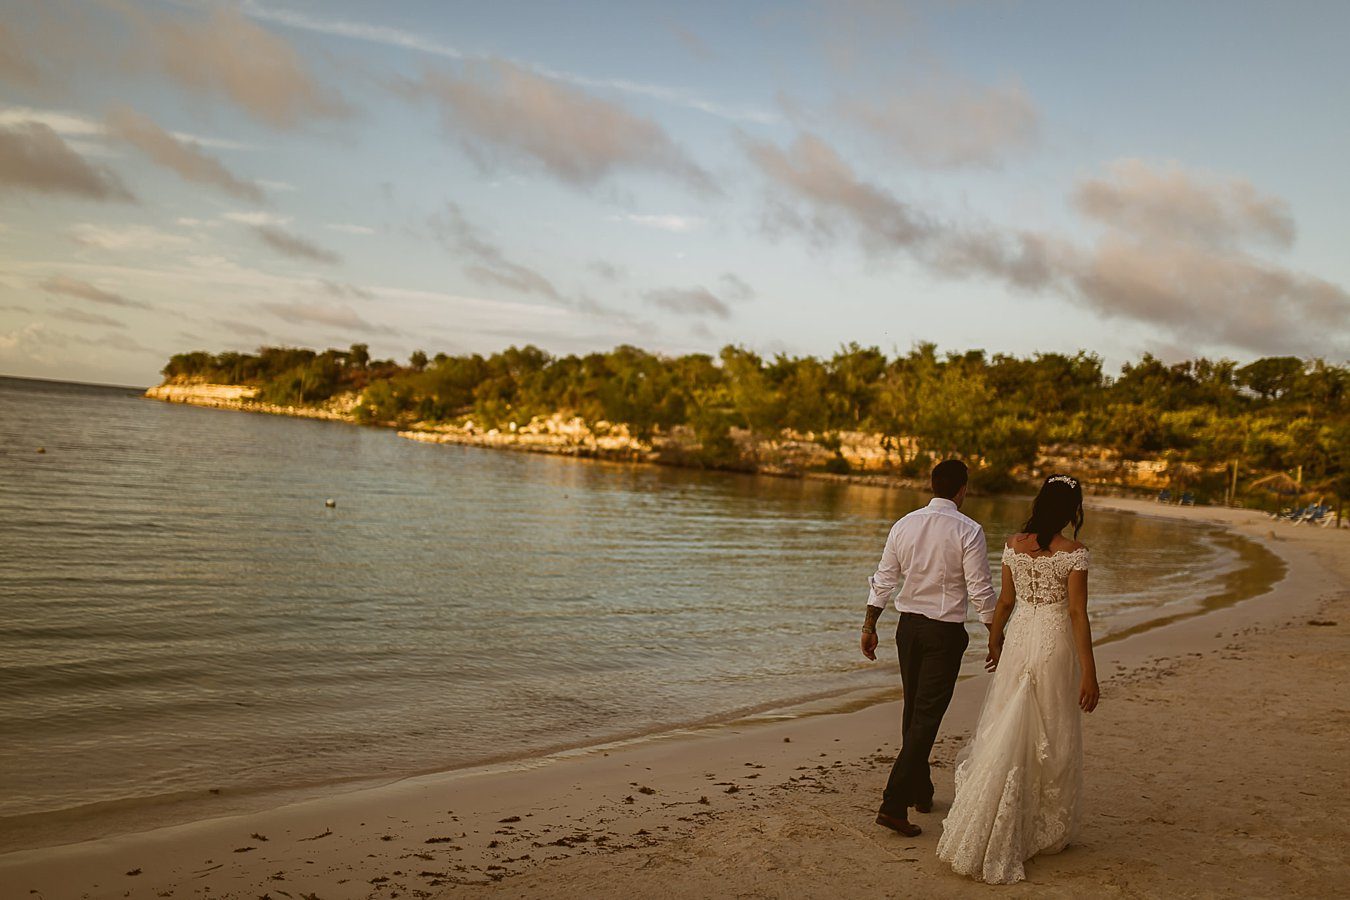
x=74, y=125
x=951, y=123
x=508, y=111
x=83, y=290
x=1216, y=297
x=125, y=237
x=836, y=200
x=84, y=317
x=735, y=287
x=607, y=270
x=34, y=342
x=345, y=290
x=228, y=55
x=347, y=228
x=33, y=157
x=257, y=217
x=1169, y=204
x=66, y=124
x=1180, y=249
x=296, y=247
x=420, y=42
x=695, y=301
x=1175, y=250
x=675, y=223
x=489, y=264
x=338, y=316
x=187, y=159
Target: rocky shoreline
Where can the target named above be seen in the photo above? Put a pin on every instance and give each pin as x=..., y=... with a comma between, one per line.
x=872, y=459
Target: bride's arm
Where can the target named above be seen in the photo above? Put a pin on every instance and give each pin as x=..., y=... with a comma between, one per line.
x=1007, y=599
x=1088, y=691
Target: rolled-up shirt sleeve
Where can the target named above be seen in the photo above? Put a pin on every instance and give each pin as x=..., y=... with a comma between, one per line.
x=979, y=585
x=883, y=582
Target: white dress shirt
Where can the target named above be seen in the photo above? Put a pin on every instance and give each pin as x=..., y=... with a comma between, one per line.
x=944, y=561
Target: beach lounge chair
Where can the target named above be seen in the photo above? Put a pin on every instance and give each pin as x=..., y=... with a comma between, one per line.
x=1187, y=498
x=1313, y=515
x=1164, y=496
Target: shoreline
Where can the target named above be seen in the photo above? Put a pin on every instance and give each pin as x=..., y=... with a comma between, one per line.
x=592, y=797
x=563, y=439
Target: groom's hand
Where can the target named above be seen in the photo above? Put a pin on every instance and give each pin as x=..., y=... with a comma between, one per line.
x=869, y=644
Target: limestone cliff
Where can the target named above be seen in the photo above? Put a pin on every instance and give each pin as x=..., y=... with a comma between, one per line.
x=241, y=397
x=869, y=457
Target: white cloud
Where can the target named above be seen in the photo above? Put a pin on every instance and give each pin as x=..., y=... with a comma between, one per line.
x=257, y=218
x=75, y=125
x=125, y=237
x=347, y=228
x=676, y=223
x=407, y=40
x=66, y=124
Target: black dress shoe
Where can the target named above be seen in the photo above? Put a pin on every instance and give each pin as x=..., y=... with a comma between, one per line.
x=924, y=807
x=902, y=826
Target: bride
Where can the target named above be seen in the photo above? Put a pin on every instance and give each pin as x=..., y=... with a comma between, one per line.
x=1019, y=783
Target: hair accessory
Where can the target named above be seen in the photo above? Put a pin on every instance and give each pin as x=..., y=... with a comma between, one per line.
x=1066, y=479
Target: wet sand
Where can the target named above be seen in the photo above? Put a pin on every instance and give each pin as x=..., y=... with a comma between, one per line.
x=1216, y=765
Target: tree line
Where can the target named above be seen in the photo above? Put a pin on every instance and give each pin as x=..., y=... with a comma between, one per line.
x=1215, y=422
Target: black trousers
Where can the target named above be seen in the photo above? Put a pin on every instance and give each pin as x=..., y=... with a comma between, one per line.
x=930, y=660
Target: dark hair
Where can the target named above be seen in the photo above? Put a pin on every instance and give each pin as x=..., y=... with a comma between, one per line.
x=949, y=476
x=1058, y=505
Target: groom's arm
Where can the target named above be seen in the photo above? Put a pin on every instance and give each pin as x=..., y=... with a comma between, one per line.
x=979, y=584
x=880, y=587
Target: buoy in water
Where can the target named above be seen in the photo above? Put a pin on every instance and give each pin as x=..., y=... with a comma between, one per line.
x=330, y=503
x=42, y=449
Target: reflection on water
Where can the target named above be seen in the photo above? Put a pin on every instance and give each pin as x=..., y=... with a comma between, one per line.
x=181, y=612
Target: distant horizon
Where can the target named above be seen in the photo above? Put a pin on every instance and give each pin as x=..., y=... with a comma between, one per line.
x=93, y=384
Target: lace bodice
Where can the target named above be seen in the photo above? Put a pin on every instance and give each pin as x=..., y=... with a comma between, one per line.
x=1042, y=580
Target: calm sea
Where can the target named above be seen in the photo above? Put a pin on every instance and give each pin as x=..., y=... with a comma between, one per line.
x=180, y=613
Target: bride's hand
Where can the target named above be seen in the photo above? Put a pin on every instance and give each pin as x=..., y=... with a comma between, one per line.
x=995, y=651
x=1088, y=694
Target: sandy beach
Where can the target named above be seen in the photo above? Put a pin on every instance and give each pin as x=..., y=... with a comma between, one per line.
x=1216, y=766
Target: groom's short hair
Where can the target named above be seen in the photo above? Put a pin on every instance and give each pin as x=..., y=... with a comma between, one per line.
x=949, y=476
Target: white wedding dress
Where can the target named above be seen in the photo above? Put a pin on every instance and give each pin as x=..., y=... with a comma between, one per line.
x=1019, y=783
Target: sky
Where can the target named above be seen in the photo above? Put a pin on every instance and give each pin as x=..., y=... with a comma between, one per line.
x=458, y=177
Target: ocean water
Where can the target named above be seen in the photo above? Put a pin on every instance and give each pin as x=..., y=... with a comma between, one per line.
x=184, y=624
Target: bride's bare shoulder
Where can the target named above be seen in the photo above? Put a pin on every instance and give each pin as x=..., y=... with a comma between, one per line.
x=1068, y=545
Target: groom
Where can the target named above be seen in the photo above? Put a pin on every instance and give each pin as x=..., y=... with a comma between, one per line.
x=943, y=559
